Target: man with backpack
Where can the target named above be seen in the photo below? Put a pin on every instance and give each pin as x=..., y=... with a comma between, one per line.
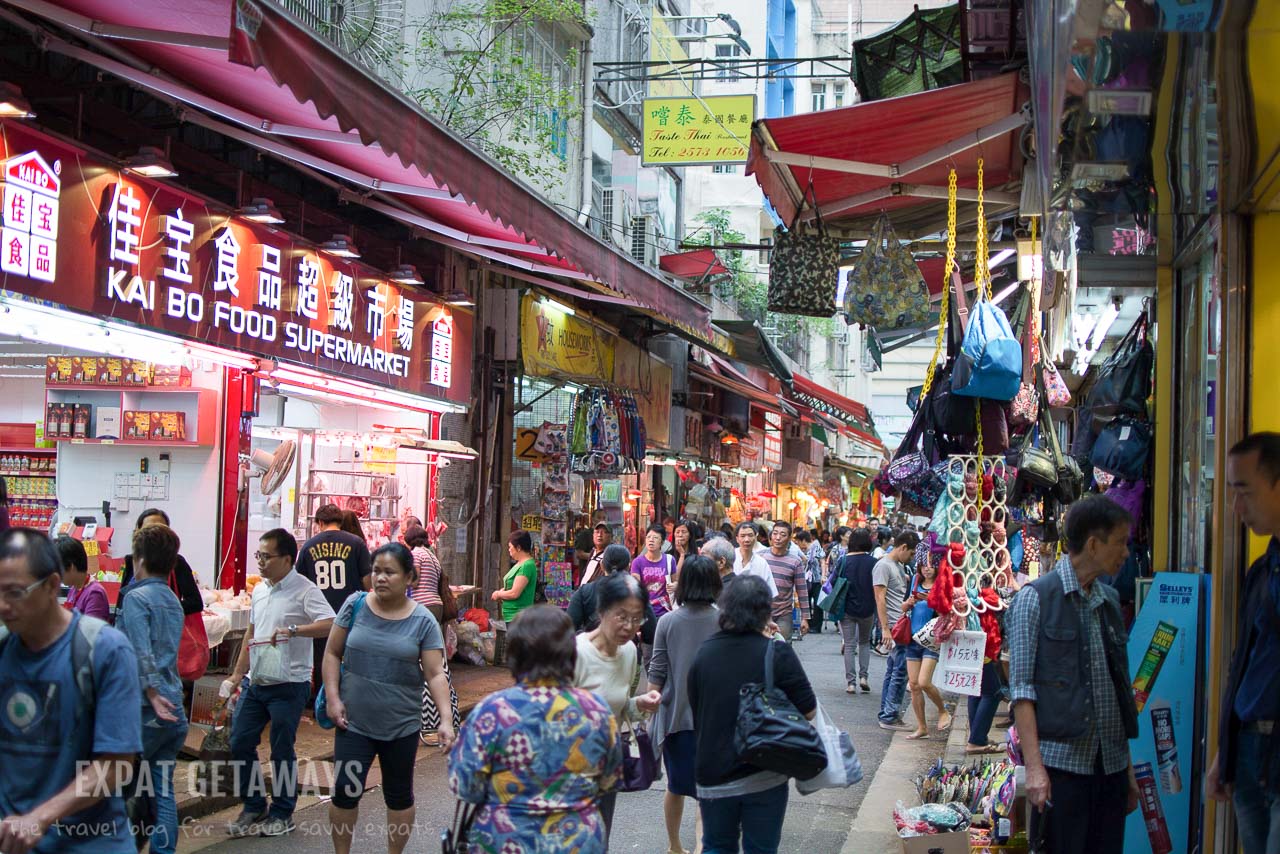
x=70, y=712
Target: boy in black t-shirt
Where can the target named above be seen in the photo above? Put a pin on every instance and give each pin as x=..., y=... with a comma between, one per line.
x=336, y=561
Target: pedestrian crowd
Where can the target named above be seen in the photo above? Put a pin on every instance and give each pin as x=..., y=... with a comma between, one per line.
x=649, y=664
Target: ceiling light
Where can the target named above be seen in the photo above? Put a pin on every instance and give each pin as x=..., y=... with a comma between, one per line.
x=556, y=305
x=261, y=210
x=1109, y=315
x=729, y=439
x=150, y=162
x=12, y=104
x=340, y=245
x=462, y=299
x=406, y=274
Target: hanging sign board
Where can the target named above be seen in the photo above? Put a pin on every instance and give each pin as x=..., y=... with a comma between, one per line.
x=555, y=343
x=649, y=379
x=960, y=664
x=697, y=131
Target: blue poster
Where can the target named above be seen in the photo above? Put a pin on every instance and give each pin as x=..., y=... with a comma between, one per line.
x=1162, y=662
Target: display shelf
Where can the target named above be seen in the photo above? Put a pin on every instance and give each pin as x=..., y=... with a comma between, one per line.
x=154, y=443
x=199, y=406
x=328, y=492
x=354, y=473
x=19, y=473
x=121, y=388
x=32, y=498
x=5, y=449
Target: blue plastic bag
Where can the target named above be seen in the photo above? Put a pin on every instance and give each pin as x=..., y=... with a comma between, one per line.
x=990, y=361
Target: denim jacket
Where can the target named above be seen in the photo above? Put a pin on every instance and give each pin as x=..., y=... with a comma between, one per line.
x=151, y=617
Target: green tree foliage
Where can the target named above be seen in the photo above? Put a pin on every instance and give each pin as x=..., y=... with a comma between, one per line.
x=492, y=84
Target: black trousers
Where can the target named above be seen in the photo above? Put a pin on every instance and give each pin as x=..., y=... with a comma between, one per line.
x=1087, y=815
x=815, y=620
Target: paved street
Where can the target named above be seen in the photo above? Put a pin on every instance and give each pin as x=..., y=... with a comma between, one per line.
x=816, y=823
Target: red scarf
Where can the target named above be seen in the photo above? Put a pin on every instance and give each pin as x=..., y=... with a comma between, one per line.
x=990, y=623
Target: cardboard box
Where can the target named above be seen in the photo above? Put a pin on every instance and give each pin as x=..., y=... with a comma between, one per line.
x=107, y=424
x=137, y=425
x=66, y=413
x=937, y=843
x=110, y=371
x=171, y=376
x=51, y=370
x=137, y=372
x=64, y=370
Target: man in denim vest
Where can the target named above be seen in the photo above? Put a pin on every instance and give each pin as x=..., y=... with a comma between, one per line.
x=1070, y=686
x=1246, y=768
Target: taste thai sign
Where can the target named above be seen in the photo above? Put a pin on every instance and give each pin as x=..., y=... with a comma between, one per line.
x=91, y=238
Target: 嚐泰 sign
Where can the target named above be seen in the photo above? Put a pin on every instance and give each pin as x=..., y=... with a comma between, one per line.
x=692, y=131
x=102, y=242
x=960, y=664
x=555, y=343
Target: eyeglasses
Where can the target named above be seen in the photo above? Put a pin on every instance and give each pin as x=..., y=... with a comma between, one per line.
x=624, y=620
x=263, y=557
x=14, y=595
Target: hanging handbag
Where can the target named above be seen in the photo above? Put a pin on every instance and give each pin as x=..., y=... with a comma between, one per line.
x=927, y=636
x=455, y=840
x=1025, y=406
x=885, y=289
x=1122, y=447
x=193, y=648
x=901, y=631
x=804, y=267
x=771, y=733
x=995, y=427
x=1124, y=379
x=1056, y=392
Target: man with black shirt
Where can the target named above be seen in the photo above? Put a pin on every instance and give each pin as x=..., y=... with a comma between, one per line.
x=337, y=562
x=601, y=537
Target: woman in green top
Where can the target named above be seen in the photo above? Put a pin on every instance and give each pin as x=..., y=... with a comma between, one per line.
x=518, y=584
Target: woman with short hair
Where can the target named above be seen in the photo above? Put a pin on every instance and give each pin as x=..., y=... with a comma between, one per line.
x=182, y=580
x=87, y=595
x=520, y=582
x=679, y=636
x=381, y=649
x=537, y=757
x=739, y=801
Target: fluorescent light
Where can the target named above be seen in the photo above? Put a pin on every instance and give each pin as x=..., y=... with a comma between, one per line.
x=150, y=162
x=406, y=274
x=557, y=305
x=12, y=104
x=261, y=210
x=1109, y=315
x=350, y=391
x=1001, y=256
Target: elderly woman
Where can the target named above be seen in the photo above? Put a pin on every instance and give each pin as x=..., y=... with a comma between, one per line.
x=607, y=662
x=740, y=801
x=536, y=757
x=679, y=636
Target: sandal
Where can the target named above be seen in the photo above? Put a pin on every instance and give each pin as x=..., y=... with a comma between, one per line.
x=944, y=722
x=915, y=736
x=990, y=747
x=430, y=739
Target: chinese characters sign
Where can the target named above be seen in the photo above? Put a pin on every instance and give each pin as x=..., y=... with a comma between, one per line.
x=143, y=252
x=690, y=131
x=960, y=663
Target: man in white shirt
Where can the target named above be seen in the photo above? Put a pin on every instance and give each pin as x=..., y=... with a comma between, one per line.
x=747, y=561
x=286, y=613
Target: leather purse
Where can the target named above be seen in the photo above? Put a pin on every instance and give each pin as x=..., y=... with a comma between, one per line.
x=901, y=631
x=639, y=763
x=771, y=733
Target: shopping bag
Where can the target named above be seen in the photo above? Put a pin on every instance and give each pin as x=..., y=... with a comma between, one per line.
x=844, y=769
x=804, y=268
x=193, y=649
x=832, y=604
x=885, y=289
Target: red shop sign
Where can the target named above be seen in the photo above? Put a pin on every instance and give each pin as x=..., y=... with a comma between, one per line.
x=82, y=235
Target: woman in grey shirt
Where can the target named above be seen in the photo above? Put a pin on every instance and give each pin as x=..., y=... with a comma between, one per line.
x=383, y=646
x=679, y=635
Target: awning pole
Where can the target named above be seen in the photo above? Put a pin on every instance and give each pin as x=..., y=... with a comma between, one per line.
x=830, y=164
x=961, y=144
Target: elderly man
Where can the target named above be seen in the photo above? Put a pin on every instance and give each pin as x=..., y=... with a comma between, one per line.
x=721, y=552
x=747, y=559
x=1070, y=686
x=1247, y=766
x=789, y=579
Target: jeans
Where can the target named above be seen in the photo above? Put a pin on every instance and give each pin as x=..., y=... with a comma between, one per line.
x=1087, y=815
x=857, y=640
x=982, y=709
x=815, y=619
x=895, y=685
x=161, y=742
x=757, y=819
x=281, y=706
x=1257, y=807
x=786, y=625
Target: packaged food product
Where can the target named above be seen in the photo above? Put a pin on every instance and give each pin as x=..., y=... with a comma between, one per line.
x=137, y=425
x=51, y=370
x=111, y=371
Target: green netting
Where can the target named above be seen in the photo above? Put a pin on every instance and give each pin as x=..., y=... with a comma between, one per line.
x=922, y=52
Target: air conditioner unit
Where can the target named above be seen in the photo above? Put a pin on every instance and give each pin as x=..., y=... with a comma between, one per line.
x=794, y=431
x=644, y=243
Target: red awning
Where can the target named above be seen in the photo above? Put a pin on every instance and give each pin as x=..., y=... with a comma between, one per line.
x=894, y=154
x=856, y=410
x=695, y=265
x=289, y=92
x=729, y=383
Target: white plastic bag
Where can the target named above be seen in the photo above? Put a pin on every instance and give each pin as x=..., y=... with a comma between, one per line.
x=843, y=767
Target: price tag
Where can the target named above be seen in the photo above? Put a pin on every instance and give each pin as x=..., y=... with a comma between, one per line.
x=960, y=664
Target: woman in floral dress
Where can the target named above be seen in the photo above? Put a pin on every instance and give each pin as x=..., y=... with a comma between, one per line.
x=537, y=757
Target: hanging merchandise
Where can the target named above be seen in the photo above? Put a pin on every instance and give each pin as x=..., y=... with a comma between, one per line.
x=1123, y=446
x=1124, y=379
x=885, y=288
x=990, y=363
x=1056, y=391
x=1024, y=408
x=804, y=266
x=606, y=434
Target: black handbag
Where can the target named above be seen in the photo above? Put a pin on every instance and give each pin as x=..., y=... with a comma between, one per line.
x=453, y=840
x=1124, y=379
x=804, y=267
x=772, y=734
x=639, y=766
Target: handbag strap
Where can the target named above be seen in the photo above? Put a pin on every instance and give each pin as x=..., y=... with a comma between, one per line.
x=768, y=665
x=944, y=314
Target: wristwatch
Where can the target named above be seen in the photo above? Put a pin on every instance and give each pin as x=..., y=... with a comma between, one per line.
x=293, y=630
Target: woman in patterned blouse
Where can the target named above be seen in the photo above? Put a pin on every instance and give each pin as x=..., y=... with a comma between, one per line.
x=537, y=757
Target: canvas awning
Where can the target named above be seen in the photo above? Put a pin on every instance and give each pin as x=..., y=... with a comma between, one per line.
x=751, y=345
x=256, y=74
x=893, y=155
x=695, y=265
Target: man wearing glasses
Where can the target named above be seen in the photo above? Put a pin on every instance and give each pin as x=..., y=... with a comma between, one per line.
x=70, y=711
x=286, y=612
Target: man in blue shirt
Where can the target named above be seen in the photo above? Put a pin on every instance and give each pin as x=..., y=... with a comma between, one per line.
x=1247, y=766
x=63, y=745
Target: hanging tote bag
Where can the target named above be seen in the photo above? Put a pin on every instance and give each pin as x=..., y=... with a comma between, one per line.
x=1122, y=448
x=193, y=649
x=772, y=734
x=1124, y=379
x=844, y=769
x=885, y=289
x=804, y=267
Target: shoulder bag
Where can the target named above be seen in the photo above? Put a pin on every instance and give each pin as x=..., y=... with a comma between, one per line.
x=454, y=840
x=193, y=649
x=321, y=708
x=885, y=288
x=772, y=734
x=639, y=762
x=1122, y=447
x=804, y=267
x=448, y=602
x=1124, y=379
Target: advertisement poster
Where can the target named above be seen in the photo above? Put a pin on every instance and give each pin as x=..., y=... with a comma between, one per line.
x=554, y=342
x=1162, y=662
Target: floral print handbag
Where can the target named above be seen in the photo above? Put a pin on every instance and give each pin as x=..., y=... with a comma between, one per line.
x=886, y=289
x=804, y=268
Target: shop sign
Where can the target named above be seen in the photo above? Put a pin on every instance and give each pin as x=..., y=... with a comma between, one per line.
x=773, y=441
x=554, y=343
x=692, y=432
x=526, y=439
x=693, y=131
x=649, y=379
x=99, y=241
x=531, y=522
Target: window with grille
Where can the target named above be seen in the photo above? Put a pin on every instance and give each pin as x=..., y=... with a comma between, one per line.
x=606, y=211
x=819, y=93
x=837, y=94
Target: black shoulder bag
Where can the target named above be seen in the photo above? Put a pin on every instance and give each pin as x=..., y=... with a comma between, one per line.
x=772, y=734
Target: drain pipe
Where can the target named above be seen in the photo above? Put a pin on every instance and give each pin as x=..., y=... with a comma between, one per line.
x=588, y=119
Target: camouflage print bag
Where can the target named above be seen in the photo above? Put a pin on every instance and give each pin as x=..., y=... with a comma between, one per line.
x=886, y=289
x=804, y=267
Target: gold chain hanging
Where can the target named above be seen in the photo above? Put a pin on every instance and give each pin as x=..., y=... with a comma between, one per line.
x=977, y=418
x=982, y=264
x=944, y=313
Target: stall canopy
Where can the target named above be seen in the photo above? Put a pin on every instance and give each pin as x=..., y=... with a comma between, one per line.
x=259, y=75
x=752, y=345
x=855, y=417
x=695, y=265
x=893, y=156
